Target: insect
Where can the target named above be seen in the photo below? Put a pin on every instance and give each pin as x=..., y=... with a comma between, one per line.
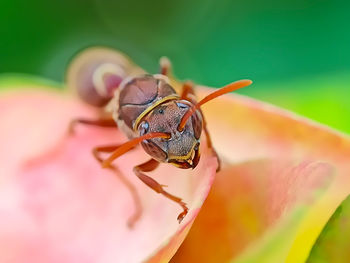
x=149, y=111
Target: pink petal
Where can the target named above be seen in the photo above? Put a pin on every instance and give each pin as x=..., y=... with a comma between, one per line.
x=63, y=207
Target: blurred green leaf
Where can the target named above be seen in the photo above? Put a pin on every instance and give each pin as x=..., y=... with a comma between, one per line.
x=333, y=244
x=10, y=81
x=321, y=98
x=212, y=42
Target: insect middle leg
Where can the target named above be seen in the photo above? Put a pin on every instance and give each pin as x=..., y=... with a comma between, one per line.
x=135, y=196
x=149, y=166
x=96, y=122
x=188, y=94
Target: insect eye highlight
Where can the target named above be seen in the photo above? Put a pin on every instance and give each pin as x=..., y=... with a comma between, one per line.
x=182, y=105
x=144, y=127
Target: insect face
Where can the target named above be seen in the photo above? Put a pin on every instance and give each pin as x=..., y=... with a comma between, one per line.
x=182, y=147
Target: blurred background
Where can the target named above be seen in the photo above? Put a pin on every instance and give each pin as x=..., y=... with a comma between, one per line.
x=296, y=51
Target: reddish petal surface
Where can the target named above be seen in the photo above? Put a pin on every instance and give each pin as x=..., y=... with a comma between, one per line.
x=63, y=207
x=250, y=196
x=247, y=199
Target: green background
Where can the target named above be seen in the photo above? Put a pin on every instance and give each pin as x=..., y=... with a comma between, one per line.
x=296, y=51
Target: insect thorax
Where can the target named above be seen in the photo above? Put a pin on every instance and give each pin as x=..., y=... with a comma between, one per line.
x=137, y=97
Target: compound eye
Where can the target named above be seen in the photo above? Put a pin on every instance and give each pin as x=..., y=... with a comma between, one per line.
x=144, y=127
x=182, y=105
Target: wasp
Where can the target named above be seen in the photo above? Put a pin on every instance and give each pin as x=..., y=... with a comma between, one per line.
x=148, y=110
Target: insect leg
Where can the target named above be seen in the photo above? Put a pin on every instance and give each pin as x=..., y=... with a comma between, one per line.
x=96, y=122
x=150, y=182
x=165, y=66
x=54, y=149
x=135, y=196
x=188, y=94
x=125, y=147
x=209, y=142
x=103, y=149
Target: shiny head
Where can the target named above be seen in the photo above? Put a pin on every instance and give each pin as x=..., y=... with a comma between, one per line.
x=182, y=147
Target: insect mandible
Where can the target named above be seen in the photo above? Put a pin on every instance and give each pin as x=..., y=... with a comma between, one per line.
x=148, y=110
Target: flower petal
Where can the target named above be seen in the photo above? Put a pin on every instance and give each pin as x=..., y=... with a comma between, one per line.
x=246, y=200
x=244, y=131
x=63, y=207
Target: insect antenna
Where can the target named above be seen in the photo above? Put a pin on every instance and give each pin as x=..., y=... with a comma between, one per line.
x=226, y=89
x=131, y=144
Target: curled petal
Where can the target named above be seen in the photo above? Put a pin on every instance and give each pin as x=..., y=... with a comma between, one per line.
x=247, y=199
x=59, y=205
x=301, y=158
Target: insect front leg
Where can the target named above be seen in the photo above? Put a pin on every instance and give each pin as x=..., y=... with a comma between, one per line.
x=188, y=94
x=149, y=166
x=135, y=196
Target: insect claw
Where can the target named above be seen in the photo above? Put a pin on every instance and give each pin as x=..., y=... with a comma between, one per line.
x=218, y=159
x=182, y=215
x=131, y=222
x=180, y=218
x=71, y=130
